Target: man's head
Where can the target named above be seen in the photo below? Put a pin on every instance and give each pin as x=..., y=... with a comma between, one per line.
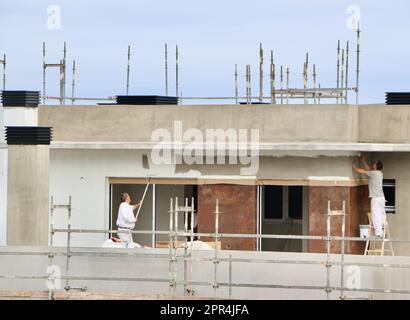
x=377, y=165
x=125, y=197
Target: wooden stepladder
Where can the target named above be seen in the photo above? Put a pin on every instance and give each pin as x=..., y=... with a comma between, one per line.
x=378, y=248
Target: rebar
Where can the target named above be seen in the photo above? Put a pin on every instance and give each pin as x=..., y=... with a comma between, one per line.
x=128, y=71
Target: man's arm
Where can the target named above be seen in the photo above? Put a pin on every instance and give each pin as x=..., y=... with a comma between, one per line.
x=137, y=205
x=365, y=164
x=359, y=170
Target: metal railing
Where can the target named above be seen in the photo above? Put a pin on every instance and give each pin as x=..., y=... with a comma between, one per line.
x=174, y=234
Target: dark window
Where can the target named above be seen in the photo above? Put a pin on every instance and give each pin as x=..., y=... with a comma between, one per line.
x=295, y=202
x=389, y=189
x=273, y=201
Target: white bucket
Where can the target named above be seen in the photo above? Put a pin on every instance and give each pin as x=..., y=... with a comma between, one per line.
x=364, y=230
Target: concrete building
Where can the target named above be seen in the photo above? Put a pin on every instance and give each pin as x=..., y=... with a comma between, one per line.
x=304, y=159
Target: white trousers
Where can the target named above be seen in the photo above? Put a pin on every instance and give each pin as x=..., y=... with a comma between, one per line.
x=125, y=236
x=378, y=214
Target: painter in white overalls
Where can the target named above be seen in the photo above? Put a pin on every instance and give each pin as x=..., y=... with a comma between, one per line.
x=126, y=219
x=376, y=195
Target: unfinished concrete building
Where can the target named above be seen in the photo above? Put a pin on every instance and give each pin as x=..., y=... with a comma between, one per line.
x=305, y=160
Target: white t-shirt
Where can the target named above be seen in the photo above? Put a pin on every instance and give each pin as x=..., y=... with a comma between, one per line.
x=375, y=184
x=126, y=216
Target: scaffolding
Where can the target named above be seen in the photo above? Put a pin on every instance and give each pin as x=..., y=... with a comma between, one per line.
x=175, y=233
x=62, y=68
x=309, y=92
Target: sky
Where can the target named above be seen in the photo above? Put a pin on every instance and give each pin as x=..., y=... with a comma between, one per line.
x=212, y=37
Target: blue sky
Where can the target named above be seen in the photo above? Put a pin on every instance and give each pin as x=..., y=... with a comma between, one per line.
x=212, y=37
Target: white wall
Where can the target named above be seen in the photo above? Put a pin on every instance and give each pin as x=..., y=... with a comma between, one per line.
x=82, y=174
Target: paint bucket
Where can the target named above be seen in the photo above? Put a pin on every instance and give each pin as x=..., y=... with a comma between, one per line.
x=364, y=230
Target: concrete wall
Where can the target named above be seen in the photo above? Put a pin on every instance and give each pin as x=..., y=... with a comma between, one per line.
x=384, y=124
x=27, y=195
x=140, y=263
x=277, y=123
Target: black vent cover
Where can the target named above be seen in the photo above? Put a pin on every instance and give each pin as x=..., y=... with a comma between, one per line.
x=20, y=98
x=397, y=97
x=29, y=135
x=146, y=100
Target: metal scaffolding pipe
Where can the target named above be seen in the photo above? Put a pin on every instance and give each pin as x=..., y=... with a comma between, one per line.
x=260, y=73
x=357, y=61
x=128, y=70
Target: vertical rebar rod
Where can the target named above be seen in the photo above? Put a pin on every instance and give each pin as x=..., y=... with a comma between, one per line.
x=314, y=83
x=236, y=84
x=176, y=71
x=216, y=260
x=342, y=75
x=281, y=84
x=272, y=78
x=328, y=265
x=305, y=80
x=171, y=224
x=260, y=73
x=63, y=73
x=338, y=70
x=61, y=82
x=342, y=256
x=73, y=84
x=166, y=69
x=304, y=83
x=128, y=71
x=347, y=72
x=357, y=61
x=250, y=84
x=319, y=95
x=4, y=71
x=246, y=84
x=287, y=85
x=44, y=72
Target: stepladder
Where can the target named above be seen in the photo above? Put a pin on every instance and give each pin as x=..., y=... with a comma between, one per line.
x=375, y=246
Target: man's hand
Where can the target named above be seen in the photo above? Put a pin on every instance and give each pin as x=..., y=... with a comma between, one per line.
x=358, y=170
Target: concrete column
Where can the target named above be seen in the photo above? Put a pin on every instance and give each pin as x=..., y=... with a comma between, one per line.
x=10, y=116
x=28, y=185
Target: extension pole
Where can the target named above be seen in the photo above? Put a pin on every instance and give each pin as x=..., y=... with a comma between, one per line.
x=143, y=197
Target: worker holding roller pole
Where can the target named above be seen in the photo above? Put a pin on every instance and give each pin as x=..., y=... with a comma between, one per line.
x=126, y=219
x=377, y=202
